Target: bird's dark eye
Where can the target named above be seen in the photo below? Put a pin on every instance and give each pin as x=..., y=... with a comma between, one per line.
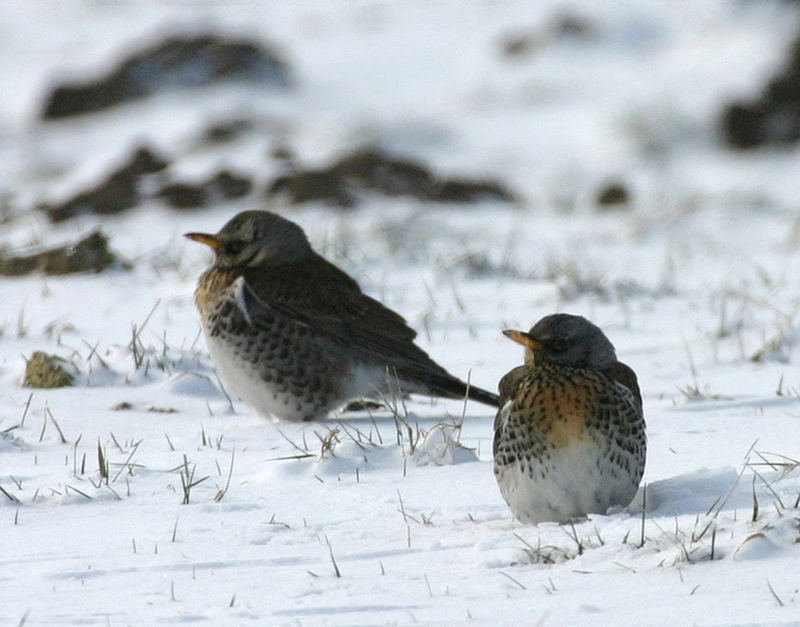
x=234, y=247
x=559, y=344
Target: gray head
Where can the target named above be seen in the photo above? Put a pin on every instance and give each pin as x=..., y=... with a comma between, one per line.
x=565, y=340
x=256, y=238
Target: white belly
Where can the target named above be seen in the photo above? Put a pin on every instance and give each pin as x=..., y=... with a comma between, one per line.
x=575, y=481
x=242, y=379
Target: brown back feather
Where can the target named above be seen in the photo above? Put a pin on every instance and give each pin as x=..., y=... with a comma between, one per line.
x=316, y=293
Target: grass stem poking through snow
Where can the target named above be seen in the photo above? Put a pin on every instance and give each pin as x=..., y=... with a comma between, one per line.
x=25, y=411
x=137, y=347
x=102, y=462
x=510, y=578
x=55, y=423
x=24, y=618
x=68, y=487
x=304, y=452
x=44, y=427
x=403, y=427
x=573, y=534
x=10, y=496
x=225, y=392
x=691, y=391
x=713, y=542
x=774, y=594
x=738, y=478
x=402, y=510
x=328, y=443
x=187, y=479
x=221, y=493
x=333, y=559
x=127, y=463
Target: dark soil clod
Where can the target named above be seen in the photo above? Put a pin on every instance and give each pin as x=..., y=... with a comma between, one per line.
x=773, y=118
x=90, y=254
x=372, y=170
x=613, y=196
x=223, y=186
x=118, y=192
x=180, y=61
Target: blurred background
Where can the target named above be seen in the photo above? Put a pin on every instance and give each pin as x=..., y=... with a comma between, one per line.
x=602, y=146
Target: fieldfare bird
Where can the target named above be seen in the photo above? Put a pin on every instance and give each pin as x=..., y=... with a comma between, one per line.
x=294, y=336
x=569, y=437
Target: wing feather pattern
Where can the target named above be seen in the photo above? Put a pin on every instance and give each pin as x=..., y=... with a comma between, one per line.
x=317, y=294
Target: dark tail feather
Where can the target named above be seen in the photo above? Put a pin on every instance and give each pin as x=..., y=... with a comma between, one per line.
x=482, y=396
x=448, y=386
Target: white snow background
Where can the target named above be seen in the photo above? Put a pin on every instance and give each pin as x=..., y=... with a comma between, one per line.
x=369, y=518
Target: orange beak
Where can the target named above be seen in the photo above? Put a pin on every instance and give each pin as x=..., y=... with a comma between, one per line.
x=520, y=337
x=205, y=238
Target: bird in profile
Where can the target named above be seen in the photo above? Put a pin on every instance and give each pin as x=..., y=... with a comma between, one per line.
x=569, y=437
x=295, y=337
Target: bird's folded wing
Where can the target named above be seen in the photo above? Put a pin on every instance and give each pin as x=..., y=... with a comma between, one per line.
x=317, y=294
x=624, y=374
x=619, y=404
x=510, y=383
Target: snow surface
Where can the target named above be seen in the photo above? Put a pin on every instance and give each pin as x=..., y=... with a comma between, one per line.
x=367, y=518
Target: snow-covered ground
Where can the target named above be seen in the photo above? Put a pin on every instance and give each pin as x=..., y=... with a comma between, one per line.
x=372, y=518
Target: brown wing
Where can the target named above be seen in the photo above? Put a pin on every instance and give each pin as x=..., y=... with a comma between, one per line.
x=508, y=388
x=316, y=293
x=625, y=375
x=510, y=382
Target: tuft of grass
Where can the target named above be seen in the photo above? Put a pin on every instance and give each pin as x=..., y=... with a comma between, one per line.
x=188, y=481
x=328, y=442
x=775, y=462
x=539, y=554
x=691, y=392
x=394, y=400
x=136, y=346
x=47, y=372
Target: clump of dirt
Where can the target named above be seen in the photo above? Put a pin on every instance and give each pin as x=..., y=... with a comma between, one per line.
x=773, y=117
x=89, y=254
x=180, y=61
x=47, y=371
x=564, y=26
x=224, y=185
x=226, y=131
x=614, y=195
x=364, y=170
x=118, y=192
